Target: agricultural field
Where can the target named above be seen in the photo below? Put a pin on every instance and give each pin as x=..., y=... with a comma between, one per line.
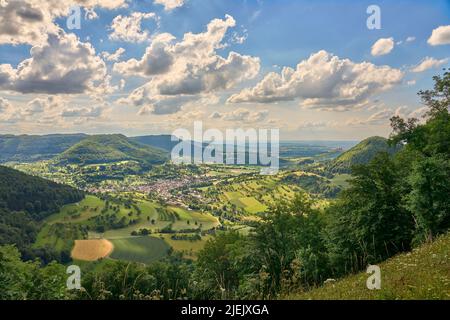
x=186, y=219
x=76, y=227
x=188, y=248
x=255, y=195
x=143, y=249
x=91, y=250
x=78, y=212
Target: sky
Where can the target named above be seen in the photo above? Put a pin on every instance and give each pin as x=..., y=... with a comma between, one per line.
x=312, y=69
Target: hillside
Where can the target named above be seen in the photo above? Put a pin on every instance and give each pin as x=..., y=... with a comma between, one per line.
x=423, y=273
x=163, y=141
x=26, y=148
x=362, y=153
x=111, y=148
x=25, y=200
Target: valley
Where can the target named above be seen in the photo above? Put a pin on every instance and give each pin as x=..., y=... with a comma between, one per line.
x=143, y=210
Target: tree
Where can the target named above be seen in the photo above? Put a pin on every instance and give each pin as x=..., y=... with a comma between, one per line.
x=427, y=150
x=288, y=246
x=429, y=198
x=217, y=273
x=369, y=222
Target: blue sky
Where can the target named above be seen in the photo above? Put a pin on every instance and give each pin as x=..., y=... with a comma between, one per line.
x=234, y=79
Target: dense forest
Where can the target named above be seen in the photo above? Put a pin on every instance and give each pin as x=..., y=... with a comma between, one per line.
x=394, y=203
x=111, y=148
x=26, y=200
x=34, y=148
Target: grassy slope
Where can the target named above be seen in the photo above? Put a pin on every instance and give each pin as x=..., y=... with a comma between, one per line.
x=139, y=249
x=423, y=273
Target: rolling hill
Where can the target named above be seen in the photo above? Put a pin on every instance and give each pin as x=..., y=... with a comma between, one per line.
x=362, y=153
x=25, y=148
x=111, y=148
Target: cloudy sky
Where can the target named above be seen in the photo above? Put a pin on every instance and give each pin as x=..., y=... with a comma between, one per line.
x=313, y=69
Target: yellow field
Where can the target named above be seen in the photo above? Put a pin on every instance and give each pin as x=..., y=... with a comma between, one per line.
x=91, y=250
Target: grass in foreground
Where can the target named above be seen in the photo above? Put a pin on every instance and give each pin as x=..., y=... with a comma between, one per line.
x=423, y=273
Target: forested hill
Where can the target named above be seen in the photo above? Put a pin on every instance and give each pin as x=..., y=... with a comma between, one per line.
x=29, y=148
x=24, y=201
x=33, y=148
x=36, y=196
x=362, y=153
x=111, y=148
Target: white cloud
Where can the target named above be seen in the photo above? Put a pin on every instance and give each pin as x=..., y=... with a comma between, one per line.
x=5, y=105
x=113, y=56
x=405, y=112
x=158, y=58
x=90, y=14
x=323, y=81
x=9, y=114
x=24, y=22
x=30, y=21
x=429, y=63
x=128, y=28
x=170, y=4
x=241, y=115
x=440, y=36
x=410, y=39
x=85, y=112
x=314, y=125
x=383, y=46
x=62, y=64
x=189, y=67
x=41, y=109
x=122, y=84
x=382, y=117
x=239, y=38
x=40, y=105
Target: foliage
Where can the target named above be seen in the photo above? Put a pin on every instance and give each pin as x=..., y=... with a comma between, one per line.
x=369, y=222
x=111, y=148
x=34, y=148
x=423, y=274
x=24, y=201
x=27, y=280
x=362, y=153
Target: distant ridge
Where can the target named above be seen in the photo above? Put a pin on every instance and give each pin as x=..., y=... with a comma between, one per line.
x=163, y=141
x=25, y=148
x=362, y=153
x=111, y=148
